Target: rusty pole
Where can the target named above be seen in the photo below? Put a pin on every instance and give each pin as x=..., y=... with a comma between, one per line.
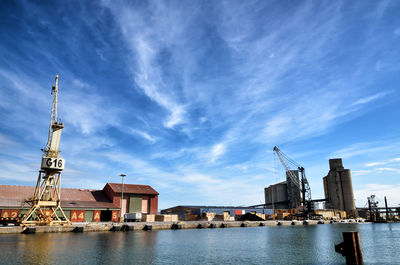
x=351, y=248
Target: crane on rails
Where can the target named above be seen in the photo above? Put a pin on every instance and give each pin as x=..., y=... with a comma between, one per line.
x=45, y=205
x=303, y=186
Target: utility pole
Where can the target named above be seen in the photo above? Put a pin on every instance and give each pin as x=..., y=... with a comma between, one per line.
x=122, y=196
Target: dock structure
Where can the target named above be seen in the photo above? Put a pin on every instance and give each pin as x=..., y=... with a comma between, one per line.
x=149, y=226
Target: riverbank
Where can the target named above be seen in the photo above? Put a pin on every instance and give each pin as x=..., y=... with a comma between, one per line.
x=101, y=227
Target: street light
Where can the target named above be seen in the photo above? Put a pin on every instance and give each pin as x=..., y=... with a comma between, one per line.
x=122, y=195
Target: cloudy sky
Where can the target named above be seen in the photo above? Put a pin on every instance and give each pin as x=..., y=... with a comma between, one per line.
x=190, y=97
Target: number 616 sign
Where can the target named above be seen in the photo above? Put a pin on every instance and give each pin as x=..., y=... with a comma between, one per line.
x=53, y=163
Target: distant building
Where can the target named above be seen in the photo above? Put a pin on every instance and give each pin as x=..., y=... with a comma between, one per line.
x=137, y=198
x=83, y=205
x=183, y=210
x=338, y=188
x=276, y=196
x=283, y=195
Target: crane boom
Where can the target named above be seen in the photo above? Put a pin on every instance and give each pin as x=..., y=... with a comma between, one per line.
x=283, y=158
x=305, y=187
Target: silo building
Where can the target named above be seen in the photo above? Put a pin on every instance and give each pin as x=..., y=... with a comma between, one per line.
x=286, y=194
x=338, y=188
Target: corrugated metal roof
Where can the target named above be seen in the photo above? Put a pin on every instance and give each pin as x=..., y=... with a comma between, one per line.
x=14, y=196
x=133, y=188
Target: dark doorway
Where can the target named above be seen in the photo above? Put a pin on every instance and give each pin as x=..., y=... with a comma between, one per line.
x=105, y=216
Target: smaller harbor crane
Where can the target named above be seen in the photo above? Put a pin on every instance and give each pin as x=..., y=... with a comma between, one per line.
x=303, y=185
x=45, y=206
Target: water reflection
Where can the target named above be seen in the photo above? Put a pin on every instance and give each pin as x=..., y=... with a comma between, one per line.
x=312, y=244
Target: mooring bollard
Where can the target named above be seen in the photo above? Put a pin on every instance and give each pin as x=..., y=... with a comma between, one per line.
x=350, y=248
x=148, y=227
x=78, y=229
x=29, y=230
x=176, y=226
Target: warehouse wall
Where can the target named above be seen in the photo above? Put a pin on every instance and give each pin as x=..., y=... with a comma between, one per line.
x=154, y=204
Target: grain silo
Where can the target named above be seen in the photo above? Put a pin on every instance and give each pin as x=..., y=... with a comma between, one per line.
x=338, y=188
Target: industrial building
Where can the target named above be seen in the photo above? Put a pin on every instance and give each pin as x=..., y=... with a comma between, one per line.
x=338, y=188
x=284, y=195
x=84, y=205
x=191, y=212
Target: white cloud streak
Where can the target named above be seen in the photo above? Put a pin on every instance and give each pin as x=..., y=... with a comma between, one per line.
x=217, y=151
x=143, y=37
x=369, y=99
x=143, y=135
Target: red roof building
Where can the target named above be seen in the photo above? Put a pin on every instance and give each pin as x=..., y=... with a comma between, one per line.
x=137, y=198
x=96, y=205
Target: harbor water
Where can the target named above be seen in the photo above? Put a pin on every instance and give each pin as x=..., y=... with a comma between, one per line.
x=312, y=244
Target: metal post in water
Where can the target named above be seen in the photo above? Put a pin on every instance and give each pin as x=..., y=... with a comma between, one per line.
x=351, y=248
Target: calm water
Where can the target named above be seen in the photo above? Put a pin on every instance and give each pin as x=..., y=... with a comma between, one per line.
x=312, y=244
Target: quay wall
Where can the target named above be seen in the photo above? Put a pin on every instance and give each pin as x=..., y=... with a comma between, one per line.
x=102, y=227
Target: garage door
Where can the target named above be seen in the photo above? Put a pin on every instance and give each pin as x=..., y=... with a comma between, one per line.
x=135, y=204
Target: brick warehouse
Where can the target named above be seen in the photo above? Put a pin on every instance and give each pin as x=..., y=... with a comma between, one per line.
x=84, y=205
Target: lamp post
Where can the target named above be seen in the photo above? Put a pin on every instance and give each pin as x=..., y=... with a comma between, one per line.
x=122, y=195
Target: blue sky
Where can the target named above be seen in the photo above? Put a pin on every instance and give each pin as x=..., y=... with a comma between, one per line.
x=190, y=97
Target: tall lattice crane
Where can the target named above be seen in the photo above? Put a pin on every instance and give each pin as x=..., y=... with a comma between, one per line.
x=46, y=202
x=303, y=186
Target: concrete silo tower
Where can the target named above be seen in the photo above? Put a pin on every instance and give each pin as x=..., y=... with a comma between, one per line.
x=338, y=188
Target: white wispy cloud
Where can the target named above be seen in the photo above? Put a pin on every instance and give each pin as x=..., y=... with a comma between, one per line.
x=396, y=170
x=201, y=179
x=87, y=111
x=79, y=83
x=217, y=151
x=146, y=39
x=369, y=99
x=5, y=141
x=373, y=164
x=368, y=149
x=380, y=163
x=361, y=172
x=142, y=134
